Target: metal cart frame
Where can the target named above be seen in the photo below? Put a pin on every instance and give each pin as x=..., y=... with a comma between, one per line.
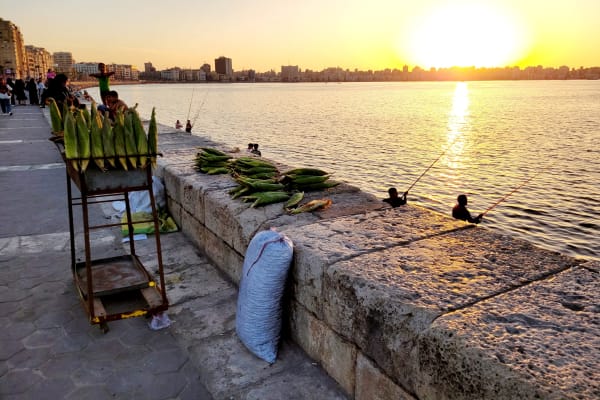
x=122, y=281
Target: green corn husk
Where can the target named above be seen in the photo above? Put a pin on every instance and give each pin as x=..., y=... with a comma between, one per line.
x=294, y=200
x=86, y=117
x=97, y=146
x=153, y=138
x=108, y=140
x=130, y=147
x=265, y=198
x=119, y=138
x=70, y=132
x=140, y=138
x=55, y=118
x=83, y=140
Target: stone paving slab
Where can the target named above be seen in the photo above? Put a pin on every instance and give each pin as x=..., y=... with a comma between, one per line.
x=542, y=339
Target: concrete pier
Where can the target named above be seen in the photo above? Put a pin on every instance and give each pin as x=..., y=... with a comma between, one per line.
x=407, y=303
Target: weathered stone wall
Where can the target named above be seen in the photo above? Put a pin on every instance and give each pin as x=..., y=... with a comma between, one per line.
x=406, y=303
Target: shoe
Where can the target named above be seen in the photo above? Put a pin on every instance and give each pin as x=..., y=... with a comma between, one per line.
x=10, y=113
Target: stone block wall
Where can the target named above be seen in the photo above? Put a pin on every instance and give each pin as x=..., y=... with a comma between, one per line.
x=406, y=303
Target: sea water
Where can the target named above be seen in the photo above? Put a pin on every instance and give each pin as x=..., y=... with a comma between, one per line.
x=483, y=139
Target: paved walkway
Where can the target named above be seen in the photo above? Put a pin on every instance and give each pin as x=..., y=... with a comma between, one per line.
x=49, y=350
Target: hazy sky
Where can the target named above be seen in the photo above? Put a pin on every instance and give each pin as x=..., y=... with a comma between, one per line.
x=315, y=34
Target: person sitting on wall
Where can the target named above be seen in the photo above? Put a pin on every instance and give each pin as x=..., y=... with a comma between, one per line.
x=461, y=212
x=114, y=104
x=178, y=125
x=394, y=200
x=188, y=126
x=255, y=150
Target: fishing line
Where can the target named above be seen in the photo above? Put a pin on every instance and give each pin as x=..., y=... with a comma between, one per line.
x=510, y=193
x=190, y=108
x=436, y=160
x=199, y=108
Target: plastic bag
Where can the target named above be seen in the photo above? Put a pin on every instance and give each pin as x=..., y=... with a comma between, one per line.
x=140, y=201
x=258, y=317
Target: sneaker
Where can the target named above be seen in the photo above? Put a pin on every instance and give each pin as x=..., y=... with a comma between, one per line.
x=10, y=113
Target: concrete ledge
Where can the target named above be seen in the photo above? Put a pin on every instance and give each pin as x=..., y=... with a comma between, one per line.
x=406, y=303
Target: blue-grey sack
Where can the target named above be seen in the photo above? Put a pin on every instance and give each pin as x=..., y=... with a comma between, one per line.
x=258, y=319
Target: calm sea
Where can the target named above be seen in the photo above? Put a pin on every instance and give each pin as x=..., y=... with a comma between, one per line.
x=487, y=137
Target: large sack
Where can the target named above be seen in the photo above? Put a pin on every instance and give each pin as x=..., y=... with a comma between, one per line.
x=258, y=319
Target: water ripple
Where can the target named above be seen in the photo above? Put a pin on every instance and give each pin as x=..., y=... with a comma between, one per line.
x=489, y=137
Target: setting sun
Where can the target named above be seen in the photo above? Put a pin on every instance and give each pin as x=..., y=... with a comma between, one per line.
x=467, y=35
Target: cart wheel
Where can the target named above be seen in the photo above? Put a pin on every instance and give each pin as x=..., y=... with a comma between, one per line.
x=104, y=327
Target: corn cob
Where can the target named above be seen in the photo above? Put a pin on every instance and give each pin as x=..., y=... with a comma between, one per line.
x=307, y=179
x=312, y=205
x=320, y=186
x=213, y=151
x=83, y=140
x=264, y=198
x=217, y=170
x=86, y=117
x=71, y=152
x=258, y=185
x=305, y=171
x=96, y=141
x=65, y=110
x=254, y=162
x=294, y=200
x=153, y=138
x=130, y=146
x=55, y=118
x=119, y=138
x=140, y=138
x=108, y=140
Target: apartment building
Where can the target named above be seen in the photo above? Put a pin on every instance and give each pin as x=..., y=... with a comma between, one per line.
x=63, y=62
x=13, y=58
x=39, y=60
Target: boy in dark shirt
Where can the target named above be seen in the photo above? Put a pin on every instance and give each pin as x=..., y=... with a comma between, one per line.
x=461, y=212
x=394, y=200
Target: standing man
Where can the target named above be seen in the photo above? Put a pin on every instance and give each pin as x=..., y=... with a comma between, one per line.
x=103, y=77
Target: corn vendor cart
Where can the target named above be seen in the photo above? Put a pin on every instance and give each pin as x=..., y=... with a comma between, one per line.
x=117, y=287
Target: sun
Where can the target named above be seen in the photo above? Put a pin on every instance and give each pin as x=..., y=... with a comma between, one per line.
x=467, y=35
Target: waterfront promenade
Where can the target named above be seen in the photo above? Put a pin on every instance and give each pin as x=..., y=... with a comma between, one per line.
x=49, y=350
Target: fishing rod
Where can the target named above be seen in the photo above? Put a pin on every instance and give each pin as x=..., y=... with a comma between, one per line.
x=428, y=168
x=510, y=193
x=199, y=109
x=190, y=108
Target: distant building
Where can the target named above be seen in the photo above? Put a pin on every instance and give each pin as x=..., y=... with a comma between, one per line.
x=224, y=68
x=290, y=73
x=38, y=61
x=149, y=68
x=63, y=62
x=13, y=57
x=171, y=74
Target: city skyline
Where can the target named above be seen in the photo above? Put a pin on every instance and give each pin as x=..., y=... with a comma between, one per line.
x=265, y=35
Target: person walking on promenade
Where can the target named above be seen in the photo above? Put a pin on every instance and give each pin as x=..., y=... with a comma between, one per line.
x=394, y=200
x=103, y=81
x=57, y=89
x=461, y=212
x=40, y=88
x=188, y=126
x=5, y=95
x=19, y=92
x=33, y=92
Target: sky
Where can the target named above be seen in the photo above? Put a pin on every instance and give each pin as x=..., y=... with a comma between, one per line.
x=315, y=34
